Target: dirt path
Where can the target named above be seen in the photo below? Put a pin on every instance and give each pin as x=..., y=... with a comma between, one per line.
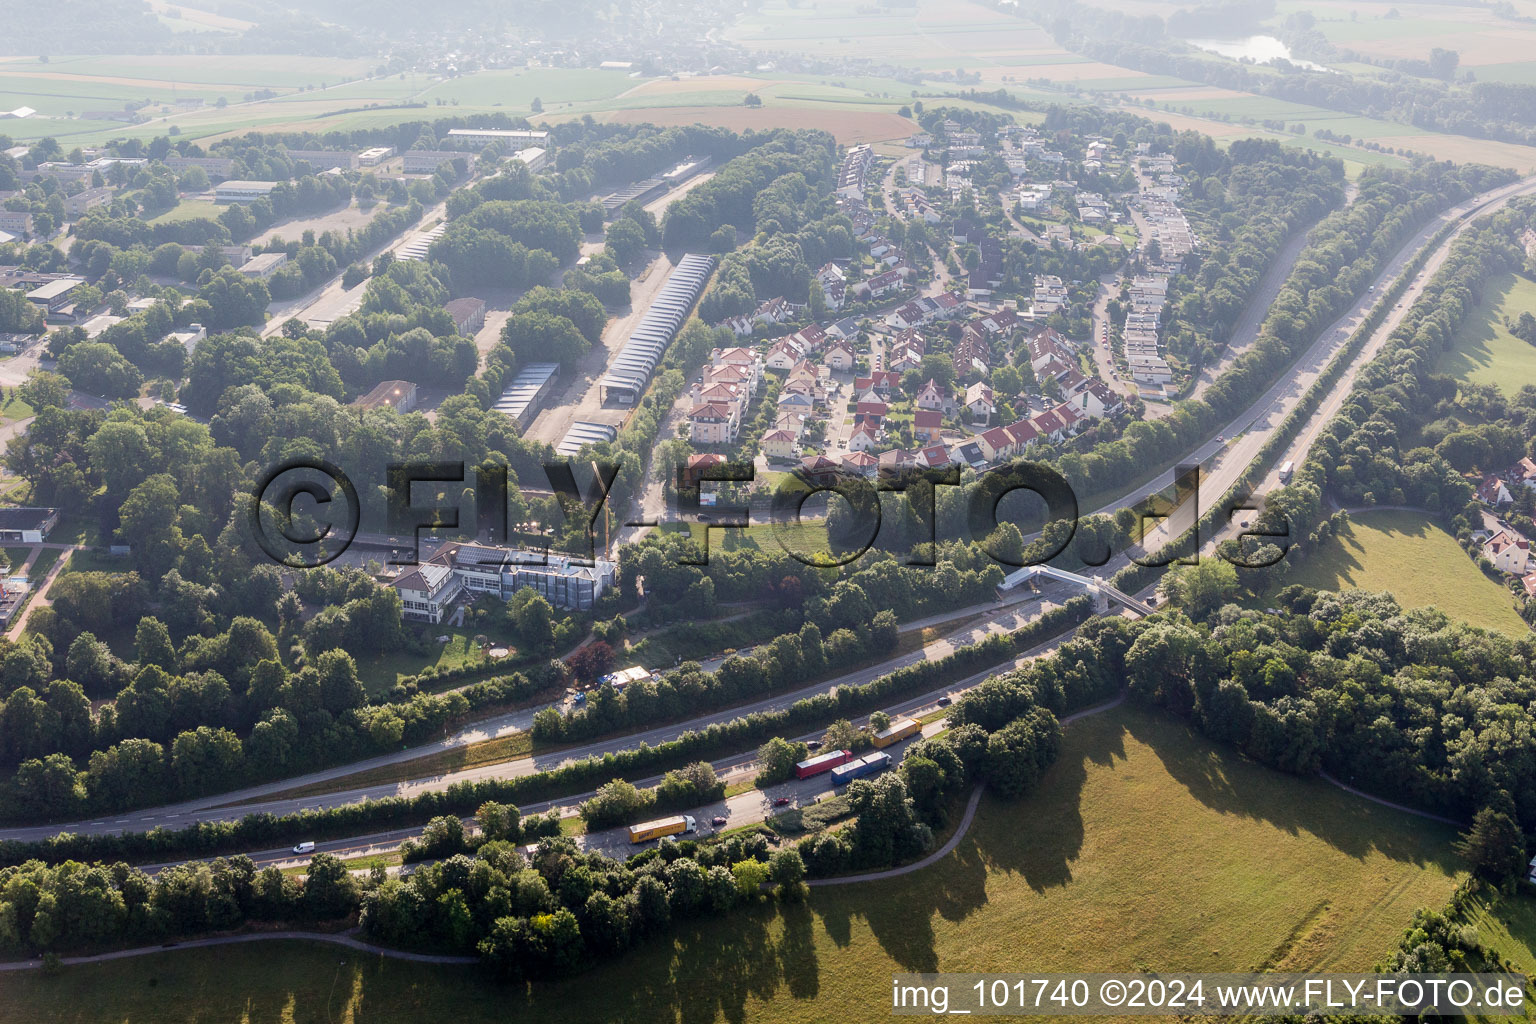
x=960, y=830
x=347, y=938
x=1362, y=794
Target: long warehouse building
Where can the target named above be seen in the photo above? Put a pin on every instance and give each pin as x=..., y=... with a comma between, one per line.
x=637, y=360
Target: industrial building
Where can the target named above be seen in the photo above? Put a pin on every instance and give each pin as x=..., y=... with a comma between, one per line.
x=637, y=360
x=583, y=433
x=521, y=400
x=508, y=140
x=242, y=191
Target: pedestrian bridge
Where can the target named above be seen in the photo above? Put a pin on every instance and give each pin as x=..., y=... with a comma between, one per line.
x=1099, y=589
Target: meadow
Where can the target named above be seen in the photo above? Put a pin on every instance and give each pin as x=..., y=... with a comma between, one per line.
x=1145, y=847
x=1417, y=561
x=1483, y=351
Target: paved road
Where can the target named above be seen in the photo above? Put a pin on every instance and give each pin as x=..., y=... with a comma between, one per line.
x=331, y=301
x=1223, y=461
x=265, y=799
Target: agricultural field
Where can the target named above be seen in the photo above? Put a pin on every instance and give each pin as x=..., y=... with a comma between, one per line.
x=1417, y=561
x=1137, y=852
x=1483, y=351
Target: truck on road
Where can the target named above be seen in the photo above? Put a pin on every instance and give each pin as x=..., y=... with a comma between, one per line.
x=648, y=830
x=869, y=764
x=822, y=763
x=899, y=730
x=1286, y=471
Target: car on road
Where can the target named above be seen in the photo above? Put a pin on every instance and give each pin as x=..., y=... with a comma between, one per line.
x=305, y=847
x=1221, y=438
x=813, y=744
x=717, y=820
x=945, y=702
x=782, y=801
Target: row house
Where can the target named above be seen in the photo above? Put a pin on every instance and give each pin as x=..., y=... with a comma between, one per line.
x=881, y=284
x=973, y=355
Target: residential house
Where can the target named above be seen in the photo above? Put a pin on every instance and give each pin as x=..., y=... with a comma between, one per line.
x=713, y=423
x=780, y=444
x=865, y=438
x=861, y=462
x=979, y=401
x=840, y=357
x=783, y=354
x=935, y=456
x=1509, y=552
x=996, y=444
x=819, y=469
x=882, y=382
x=1493, y=492
x=934, y=397
x=926, y=424
x=1095, y=400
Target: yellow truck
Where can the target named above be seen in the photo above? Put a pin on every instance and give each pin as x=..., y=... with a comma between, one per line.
x=648, y=830
x=898, y=731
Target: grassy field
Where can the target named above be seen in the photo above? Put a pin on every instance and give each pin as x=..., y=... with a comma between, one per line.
x=1409, y=555
x=1144, y=848
x=191, y=209
x=381, y=671
x=1483, y=351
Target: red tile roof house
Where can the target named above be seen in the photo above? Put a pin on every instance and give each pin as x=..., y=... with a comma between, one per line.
x=934, y=456
x=926, y=424
x=862, y=463
x=870, y=412
x=1509, y=552
x=1492, y=491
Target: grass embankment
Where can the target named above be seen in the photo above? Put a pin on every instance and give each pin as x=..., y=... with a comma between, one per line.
x=1417, y=561
x=1483, y=351
x=1144, y=847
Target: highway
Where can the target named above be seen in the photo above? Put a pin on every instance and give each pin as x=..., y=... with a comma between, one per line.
x=267, y=798
x=1223, y=460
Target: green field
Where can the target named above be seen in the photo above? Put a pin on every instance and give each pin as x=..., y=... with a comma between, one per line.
x=1413, y=558
x=1144, y=848
x=1483, y=351
x=191, y=209
x=381, y=671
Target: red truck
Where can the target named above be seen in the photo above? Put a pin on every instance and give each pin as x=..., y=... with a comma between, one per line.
x=822, y=763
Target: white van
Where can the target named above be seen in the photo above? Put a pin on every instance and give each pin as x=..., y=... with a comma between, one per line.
x=304, y=848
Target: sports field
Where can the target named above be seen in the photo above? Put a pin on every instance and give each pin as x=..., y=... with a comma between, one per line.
x=1145, y=848
x=1483, y=351
x=1410, y=556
